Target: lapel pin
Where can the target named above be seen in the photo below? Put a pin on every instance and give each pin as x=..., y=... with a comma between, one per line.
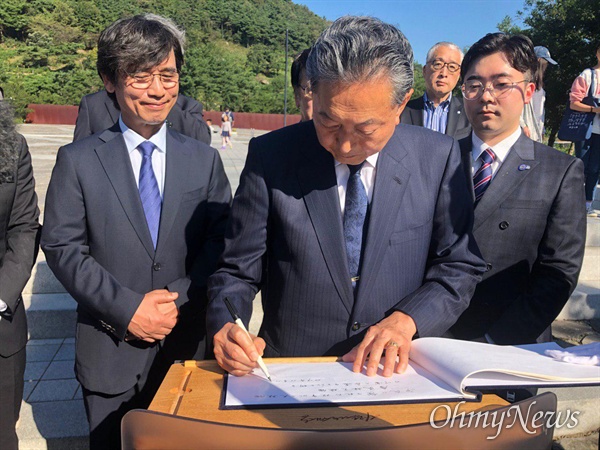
x=524, y=167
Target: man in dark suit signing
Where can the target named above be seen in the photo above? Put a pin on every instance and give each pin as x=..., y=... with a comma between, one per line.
x=18, y=249
x=356, y=230
x=134, y=224
x=529, y=216
x=438, y=109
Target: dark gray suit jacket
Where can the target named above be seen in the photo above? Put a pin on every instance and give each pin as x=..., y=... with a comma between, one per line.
x=530, y=226
x=98, y=245
x=97, y=112
x=285, y=238
x=458, y=125
x=18, y=239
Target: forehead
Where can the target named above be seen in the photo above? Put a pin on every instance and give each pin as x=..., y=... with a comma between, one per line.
x=168, y=64
x=447, y=54
x=491, y=66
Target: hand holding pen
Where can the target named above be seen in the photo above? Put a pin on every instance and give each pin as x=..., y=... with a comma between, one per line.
x=235, y=349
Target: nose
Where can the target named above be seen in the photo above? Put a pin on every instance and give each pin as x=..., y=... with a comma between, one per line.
x=344, y=142
x=486, y=95
x=156, y=88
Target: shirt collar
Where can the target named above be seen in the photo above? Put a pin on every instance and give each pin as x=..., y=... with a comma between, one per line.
x=501, y=149
x=371, y=160
x=132, y=139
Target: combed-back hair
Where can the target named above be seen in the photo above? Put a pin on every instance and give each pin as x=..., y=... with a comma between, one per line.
x=517, y=49
x=298, y=65
x=137, y=44
x=443, y=44
x=355, y=49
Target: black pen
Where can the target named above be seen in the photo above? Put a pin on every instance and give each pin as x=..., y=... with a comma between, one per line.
x=238, y=321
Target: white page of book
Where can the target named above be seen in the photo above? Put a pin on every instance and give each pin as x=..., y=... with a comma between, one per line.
x=332, y=382
x=474, y=364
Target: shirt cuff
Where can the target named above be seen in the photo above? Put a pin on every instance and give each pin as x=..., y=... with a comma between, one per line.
x=489, y=339
x=3, y=307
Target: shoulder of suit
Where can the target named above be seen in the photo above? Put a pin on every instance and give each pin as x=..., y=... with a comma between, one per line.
x=407, y=132
x=544, y=151
x=190, y=142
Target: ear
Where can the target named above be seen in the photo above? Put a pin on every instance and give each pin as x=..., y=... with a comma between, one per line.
x=528, y=93
x=402, y=105
x=108, y=85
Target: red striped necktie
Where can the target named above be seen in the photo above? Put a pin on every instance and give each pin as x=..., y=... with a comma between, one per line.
x=483, y=176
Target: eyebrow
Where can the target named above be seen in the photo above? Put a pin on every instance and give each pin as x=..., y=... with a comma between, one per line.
x=362, y=124
x=494, y=77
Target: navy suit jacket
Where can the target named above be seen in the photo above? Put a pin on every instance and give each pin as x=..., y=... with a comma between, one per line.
x=97, y=243
x=285, y=238
x=97, y=112
x=18, y=239
x=458, y=125
x=530, y=226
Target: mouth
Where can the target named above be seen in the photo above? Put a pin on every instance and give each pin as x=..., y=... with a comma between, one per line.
x=156, y=106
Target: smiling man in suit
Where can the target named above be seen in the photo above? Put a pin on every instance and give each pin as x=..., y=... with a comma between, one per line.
x=134, y=224
x=438, y=109
x=357, y=230
x=529, y=215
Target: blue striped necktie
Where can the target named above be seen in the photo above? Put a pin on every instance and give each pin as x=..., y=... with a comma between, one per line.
x=149, y=193
x=355, y=213
x=483, y=176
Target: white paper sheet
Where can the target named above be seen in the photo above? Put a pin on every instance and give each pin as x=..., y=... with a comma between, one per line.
x=297, y=384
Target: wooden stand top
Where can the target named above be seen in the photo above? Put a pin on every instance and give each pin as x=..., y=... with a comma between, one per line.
x=193, y=389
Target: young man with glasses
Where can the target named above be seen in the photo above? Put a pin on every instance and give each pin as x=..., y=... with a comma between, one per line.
x=529, y=216
x=301, y=85
x=134, y=224
x=437, y=109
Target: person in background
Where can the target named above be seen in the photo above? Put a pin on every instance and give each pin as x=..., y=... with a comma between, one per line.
x=438, y=109
x=358, y=234
x=225, y=132
x=18, y=249
x=590, y=150
x=532, y=118
x=229, y=114
x=134, y=224
x=529, y=221
x=301, y=86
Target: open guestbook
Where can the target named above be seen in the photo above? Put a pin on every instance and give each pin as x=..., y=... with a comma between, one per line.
x=439, y=370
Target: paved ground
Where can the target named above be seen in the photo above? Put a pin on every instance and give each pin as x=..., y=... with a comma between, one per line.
x=53, y=416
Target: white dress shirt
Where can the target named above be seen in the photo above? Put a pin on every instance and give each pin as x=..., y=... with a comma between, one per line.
x=367, y=176
x=501, y=150
x=159, y=158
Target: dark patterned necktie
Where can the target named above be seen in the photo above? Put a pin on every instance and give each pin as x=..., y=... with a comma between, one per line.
x=149, y=193
x=355, y=213
x=483, y=176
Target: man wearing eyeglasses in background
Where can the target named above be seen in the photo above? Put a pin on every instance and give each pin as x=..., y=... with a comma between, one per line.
x=134, y=224
x=437, y=109
x=301, y=85
x=529, y=214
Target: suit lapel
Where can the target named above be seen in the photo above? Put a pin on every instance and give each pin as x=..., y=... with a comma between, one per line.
x=316, y=175
x=116, y=163
x=178, y=158
x=453, y=115
x=391, y=181
x=466, y=146
x=507, y=179
x=113, y=112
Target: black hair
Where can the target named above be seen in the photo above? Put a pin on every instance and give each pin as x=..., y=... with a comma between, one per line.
x=298, y=66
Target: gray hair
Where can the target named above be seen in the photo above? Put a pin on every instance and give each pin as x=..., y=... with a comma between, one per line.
x=443, y=44
x=354, y=49
x=138, y=43
x=9, y=143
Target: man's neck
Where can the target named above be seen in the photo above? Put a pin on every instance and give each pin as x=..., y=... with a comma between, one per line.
x=493, y=140
x=437, y=100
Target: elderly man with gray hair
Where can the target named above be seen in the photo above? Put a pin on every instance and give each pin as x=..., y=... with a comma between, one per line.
x=357, y=230
x=438, y=109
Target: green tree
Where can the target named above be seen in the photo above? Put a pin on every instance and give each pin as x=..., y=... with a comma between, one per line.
x=570, y=30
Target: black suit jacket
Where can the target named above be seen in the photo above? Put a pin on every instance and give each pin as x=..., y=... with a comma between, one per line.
x=285, y=237
x=458, y=125
x=18, y=244
x=530, y=226
x=98, y=112
x=97, y=243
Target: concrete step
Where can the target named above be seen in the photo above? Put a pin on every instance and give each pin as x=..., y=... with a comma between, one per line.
x=590, y=269
x=43, y=281
x=584, y=303
x=593, y=231
x=50, y=316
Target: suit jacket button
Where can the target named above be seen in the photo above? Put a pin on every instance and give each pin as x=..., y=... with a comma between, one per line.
x=488, y=267
x=503, y=225
x=156, y=266
x=355, y=326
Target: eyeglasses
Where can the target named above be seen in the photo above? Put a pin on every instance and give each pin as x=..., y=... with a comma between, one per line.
x=438, y=65
x=472, y=90
x=144, y=80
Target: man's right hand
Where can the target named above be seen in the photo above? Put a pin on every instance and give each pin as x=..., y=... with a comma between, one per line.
x=235, y=351
x=155, y=317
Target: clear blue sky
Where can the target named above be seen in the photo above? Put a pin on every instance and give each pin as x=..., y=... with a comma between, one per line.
x=425, y=22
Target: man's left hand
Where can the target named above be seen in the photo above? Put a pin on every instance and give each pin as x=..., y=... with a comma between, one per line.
x=394, y=335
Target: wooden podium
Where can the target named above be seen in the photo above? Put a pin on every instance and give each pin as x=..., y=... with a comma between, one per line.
x=185, y=414
x=193, y=389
